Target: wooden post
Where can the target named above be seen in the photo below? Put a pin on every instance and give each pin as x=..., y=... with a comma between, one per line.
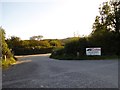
x=5, y=57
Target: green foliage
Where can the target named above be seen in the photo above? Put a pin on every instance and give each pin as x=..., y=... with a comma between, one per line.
x=58, y=51
x=77, y=45
x=5, y=51
x=115, y=15
x=4, y=47
x=55, y=43
x=26, y=47
x=106, y=29
x=72, y=47
x=44, y=44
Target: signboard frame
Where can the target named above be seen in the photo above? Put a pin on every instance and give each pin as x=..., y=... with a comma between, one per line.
x=94, y=51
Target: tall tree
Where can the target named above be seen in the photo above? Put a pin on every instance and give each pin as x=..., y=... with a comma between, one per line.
x=115, y=17
x=4, y=47
x=106, y=28
x=109, y=18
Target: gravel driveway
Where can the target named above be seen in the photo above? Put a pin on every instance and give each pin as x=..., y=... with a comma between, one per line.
x=42, y=72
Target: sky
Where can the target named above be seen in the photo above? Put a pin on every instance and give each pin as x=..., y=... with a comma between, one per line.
x=53, y=19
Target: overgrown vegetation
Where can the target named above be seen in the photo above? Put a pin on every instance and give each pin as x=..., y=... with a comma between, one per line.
x=6, y=56
x=105, y=34
x=32, y=46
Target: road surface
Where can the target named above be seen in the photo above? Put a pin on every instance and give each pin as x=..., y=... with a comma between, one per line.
x=42, y=72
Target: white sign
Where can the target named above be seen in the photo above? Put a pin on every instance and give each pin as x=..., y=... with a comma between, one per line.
x=93, y=51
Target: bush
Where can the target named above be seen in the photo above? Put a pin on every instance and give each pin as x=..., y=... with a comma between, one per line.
x=58, y=51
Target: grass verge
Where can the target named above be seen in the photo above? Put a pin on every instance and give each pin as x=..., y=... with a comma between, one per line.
x=8, y=62
x=72, y=57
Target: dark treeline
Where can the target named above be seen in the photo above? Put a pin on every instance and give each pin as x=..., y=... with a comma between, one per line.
x=27, y=47
x=105, y=34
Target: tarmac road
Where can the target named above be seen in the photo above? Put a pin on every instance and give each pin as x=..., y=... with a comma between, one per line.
x=40, y=71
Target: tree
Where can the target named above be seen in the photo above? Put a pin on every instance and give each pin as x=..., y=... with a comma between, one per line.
x=4, y=47
x=14, y=42
x=39, y=37
x=44, y=44
x=115, y=16
x=110, y=15
x=106, y=28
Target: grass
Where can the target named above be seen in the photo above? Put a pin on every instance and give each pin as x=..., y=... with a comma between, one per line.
x=72, y=57
x=8, y=62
